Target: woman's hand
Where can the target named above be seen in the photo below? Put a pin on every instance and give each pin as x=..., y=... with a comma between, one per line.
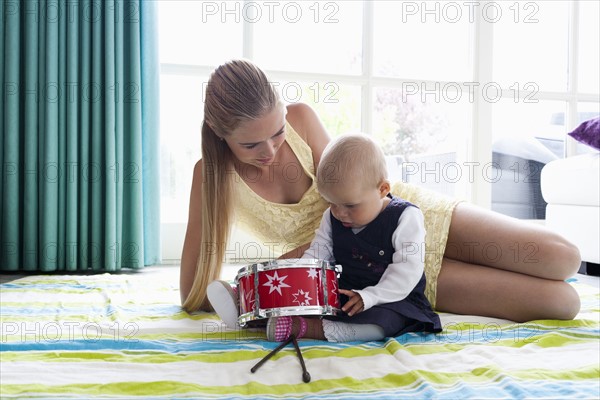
x=354, y=305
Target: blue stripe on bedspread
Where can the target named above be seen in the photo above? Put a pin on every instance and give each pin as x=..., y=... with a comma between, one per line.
x=124, y=336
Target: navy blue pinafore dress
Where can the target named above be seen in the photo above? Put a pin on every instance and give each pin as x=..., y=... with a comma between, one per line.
x=364, y=257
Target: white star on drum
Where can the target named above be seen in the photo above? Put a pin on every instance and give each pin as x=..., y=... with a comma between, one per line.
x=276, y=283
x=250, y=300
x=313, y=273
x=334, y=287
x=302, y=301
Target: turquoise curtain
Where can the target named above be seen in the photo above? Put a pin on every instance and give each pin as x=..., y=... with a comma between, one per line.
x=80, y=135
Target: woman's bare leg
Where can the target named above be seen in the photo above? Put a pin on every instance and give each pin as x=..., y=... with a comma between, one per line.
x=482, y=237
x=469, y=289
x=501, y=267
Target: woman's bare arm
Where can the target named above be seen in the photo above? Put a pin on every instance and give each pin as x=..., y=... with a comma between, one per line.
x=193, y=236
x=297, y=252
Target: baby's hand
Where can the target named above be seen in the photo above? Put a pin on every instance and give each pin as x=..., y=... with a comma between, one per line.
x=355, y=303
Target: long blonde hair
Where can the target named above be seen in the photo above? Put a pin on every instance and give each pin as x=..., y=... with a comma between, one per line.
x=237, y=91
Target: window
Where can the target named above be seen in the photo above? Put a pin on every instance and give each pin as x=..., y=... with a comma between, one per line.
x=412, y=39
x=181, y=119
x=589, y=47
x=425, y=133
x=195, y=33
x=531, y=45
x=442, y=85
x=286, y=35
x=545, y=60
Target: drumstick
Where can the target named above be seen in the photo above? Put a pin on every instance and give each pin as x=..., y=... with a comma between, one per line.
x=305, y=374
x=271, y=354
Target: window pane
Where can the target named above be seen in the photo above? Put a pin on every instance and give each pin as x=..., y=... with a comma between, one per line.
x=531, y=44
x=338, y=106
x=588, y=111
x=526, y=136
x=413, y=39
x=528, y=120
x=427, y=134
x=589, y=46
x=199, y=32
x=180, y=119
x=323, y=37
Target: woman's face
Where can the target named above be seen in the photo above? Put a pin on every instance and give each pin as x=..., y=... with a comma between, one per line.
x=256, y=142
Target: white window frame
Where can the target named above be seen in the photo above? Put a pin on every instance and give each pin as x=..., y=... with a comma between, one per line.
x=479, y=139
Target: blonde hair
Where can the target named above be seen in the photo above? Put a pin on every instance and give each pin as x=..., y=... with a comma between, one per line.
x=349, y=160
x=237, y=91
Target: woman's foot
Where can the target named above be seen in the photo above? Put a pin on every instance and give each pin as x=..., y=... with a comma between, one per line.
x=223, y=298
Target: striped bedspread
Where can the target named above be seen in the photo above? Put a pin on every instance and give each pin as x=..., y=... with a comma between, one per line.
x=125, y=336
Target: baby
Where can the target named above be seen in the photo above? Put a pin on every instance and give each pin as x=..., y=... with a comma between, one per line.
x=379, y=241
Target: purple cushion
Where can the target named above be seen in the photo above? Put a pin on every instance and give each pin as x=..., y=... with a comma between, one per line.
x=588, y=133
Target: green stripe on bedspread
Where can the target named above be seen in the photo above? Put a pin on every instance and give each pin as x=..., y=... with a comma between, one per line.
x=123, y=336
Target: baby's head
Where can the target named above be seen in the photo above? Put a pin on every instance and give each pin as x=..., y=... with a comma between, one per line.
x=352, y=177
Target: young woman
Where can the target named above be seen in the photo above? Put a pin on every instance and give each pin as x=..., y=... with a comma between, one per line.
x=250, y=143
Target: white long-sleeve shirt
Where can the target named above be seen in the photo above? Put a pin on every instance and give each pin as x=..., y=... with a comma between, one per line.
x=406, y=269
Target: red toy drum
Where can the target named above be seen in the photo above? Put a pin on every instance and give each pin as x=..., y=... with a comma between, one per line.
x=287, y=287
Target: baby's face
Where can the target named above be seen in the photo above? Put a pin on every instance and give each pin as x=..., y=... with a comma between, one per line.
x=354, y=205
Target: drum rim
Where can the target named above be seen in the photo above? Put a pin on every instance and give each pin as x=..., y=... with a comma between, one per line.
x=264, y=313
x=268, y=266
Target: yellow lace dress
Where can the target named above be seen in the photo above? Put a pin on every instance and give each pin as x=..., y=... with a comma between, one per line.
x=437, y=210
x=284, y=227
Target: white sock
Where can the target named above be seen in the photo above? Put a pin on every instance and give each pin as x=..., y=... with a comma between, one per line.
x=336, y=331
x=225, y=302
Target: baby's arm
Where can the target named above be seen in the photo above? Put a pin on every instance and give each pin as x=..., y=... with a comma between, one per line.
x=321, y=248
x=406, y=269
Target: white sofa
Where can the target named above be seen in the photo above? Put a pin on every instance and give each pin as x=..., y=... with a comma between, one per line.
x=571, y=187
